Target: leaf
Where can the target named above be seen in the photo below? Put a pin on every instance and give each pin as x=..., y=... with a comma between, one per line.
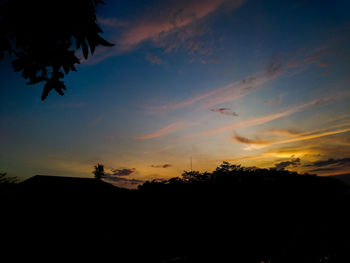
x=85, y=49
x=46, y=90
x=35, y=80
x=78, y=43
x=92, y=43
x=73, y=68
x=59, y=86
x=104, y=42
x=66, y=69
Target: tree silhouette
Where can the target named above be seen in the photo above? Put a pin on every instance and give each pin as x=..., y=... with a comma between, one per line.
x=4, y=179
x=39, y=34
x=99, y=171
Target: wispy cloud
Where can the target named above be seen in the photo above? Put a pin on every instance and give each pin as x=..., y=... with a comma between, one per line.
x=274, y=101
x=330, y=161
x=225, y=111
x=295, y=138
x=313, y=136
x=282, y=132
x=275, y=116
x=177, y=25
x=256, y=121
x=173, y=127
x=111, y=22
x=329, y=165
x=230, y=92
x=167, y=165
x=245, y=140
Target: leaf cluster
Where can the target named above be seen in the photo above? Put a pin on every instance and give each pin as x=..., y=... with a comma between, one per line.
x=42, y=37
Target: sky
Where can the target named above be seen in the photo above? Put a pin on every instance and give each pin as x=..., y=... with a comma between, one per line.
x=259, y=83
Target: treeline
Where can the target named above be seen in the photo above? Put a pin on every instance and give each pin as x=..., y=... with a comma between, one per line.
x=233, y=214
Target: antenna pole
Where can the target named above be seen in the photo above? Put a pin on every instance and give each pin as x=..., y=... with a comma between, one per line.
x=191, y=163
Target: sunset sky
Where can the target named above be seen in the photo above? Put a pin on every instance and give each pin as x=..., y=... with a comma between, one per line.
x=258, y=82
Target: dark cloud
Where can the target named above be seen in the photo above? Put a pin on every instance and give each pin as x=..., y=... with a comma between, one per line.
x=328, y=165
x=325, y=169
x=123, y=180
x=244, y=140
x=331, y=161
x=315, y=57
x=225, y=111
x=118, y=177
x=123, y=172
x=283, y=165
x=167, y=165
x=248, y=80
x=274, y=67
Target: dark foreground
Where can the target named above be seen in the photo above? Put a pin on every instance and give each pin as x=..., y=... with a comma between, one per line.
x=255, y=219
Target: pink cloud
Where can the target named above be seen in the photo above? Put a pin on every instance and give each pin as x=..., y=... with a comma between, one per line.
x=172, y=27
x=180, y=14
x=173, y=127
x=230, y=92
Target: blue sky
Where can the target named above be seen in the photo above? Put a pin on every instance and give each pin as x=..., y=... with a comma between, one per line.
x=253, y=82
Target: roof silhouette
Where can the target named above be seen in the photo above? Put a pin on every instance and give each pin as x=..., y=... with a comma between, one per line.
x=67, y=186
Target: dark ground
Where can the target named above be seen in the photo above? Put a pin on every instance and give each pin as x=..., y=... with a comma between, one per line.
x=270, y=219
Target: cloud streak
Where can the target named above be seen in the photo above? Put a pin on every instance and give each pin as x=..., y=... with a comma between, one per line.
x=282, y=132
x=225, y=111
x=275, y=116
x=228, y=93
x=176, y=25
x=244, y=140
x=296, y=138
x=329, y=165
x=256, y=121
x=171, y=128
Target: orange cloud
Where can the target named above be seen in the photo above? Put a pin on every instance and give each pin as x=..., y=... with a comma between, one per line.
x=282, y=132
x=256, y=121
x=271, y=117
x=313, y=136
x=301, y=137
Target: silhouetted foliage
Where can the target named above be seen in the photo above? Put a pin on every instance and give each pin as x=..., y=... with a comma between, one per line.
x=5, y=179
x=232, y=214
x=227, y=174
x=42, y=37
x=99, y=171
